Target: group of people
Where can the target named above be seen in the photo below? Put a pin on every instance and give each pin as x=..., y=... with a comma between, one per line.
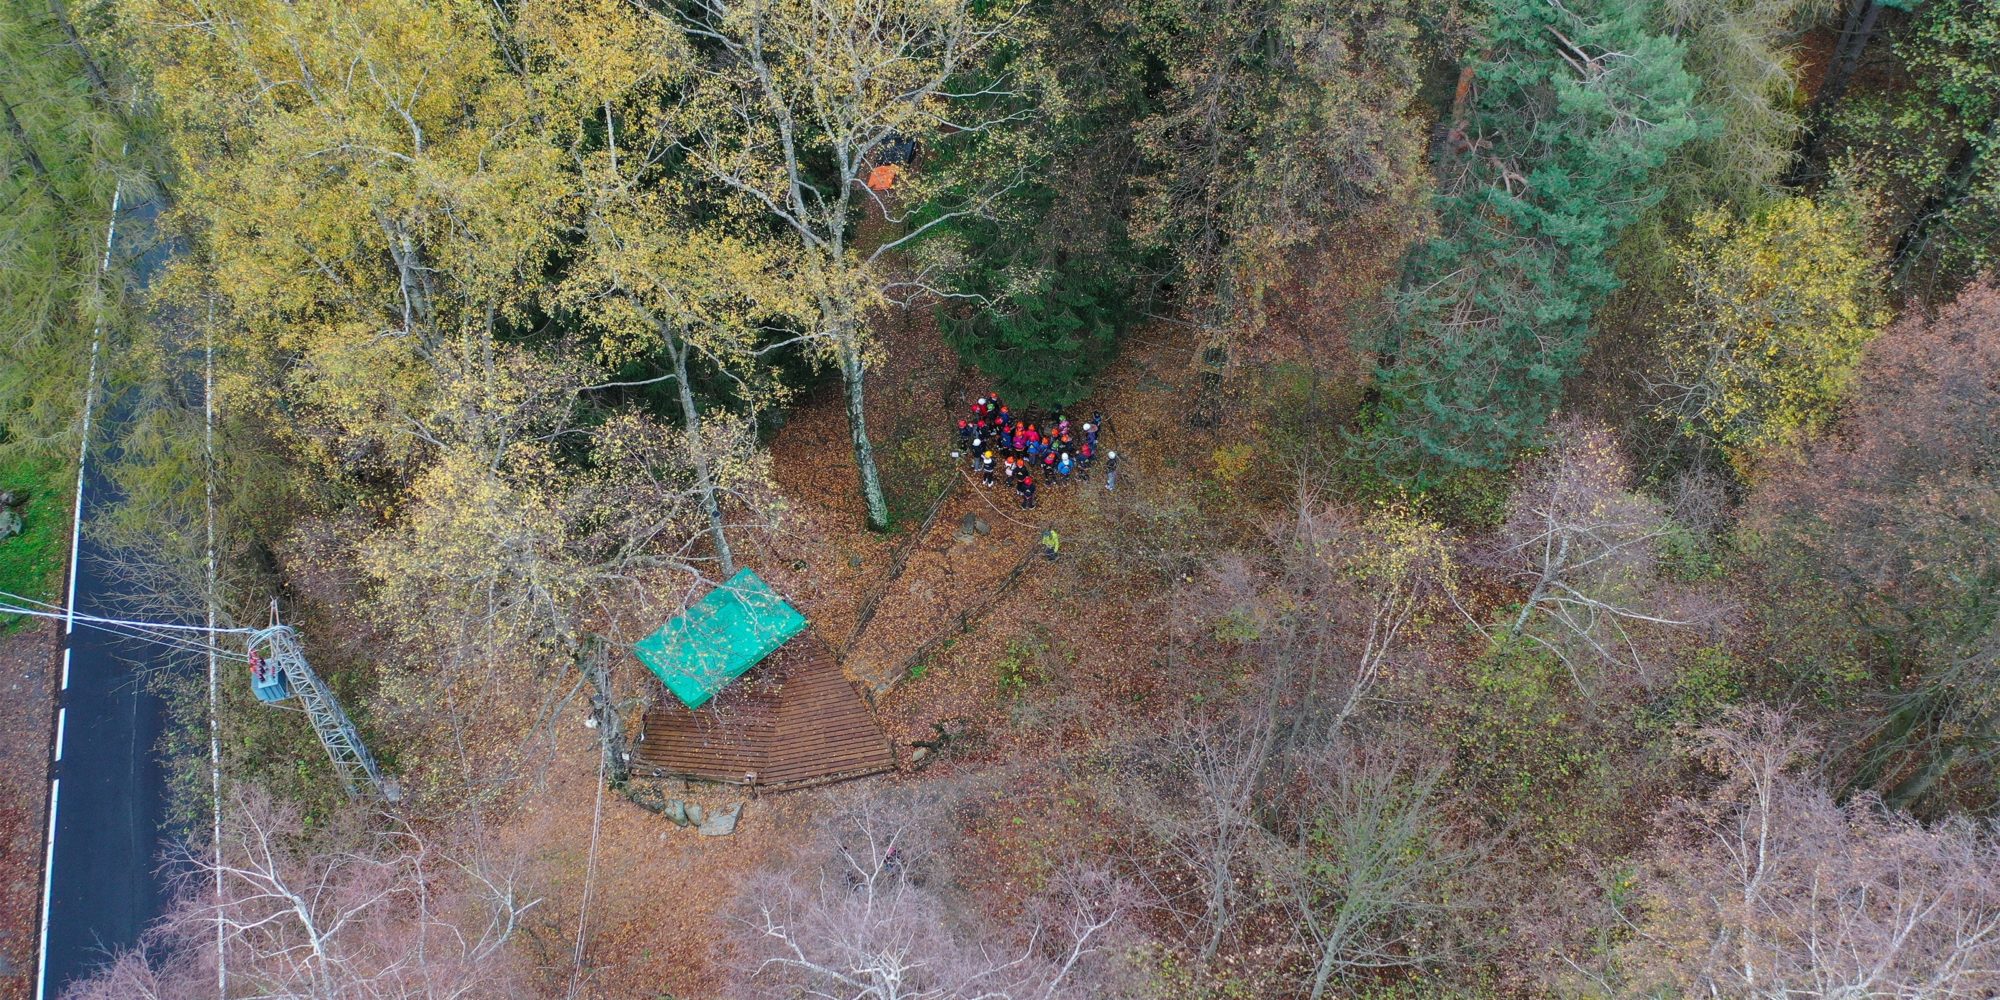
x=1026, y=454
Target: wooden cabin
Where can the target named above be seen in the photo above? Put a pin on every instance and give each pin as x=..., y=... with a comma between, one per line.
x=757, y=697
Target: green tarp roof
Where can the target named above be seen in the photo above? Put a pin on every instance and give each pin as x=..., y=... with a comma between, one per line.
x=726, y=633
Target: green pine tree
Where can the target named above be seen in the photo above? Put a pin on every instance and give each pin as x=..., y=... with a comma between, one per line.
x=1573, y=107
x=1041, y=344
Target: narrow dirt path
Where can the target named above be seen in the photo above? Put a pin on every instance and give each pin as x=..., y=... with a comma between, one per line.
x=946, y=573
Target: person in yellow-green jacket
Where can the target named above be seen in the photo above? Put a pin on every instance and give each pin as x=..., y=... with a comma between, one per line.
x=1051, y=543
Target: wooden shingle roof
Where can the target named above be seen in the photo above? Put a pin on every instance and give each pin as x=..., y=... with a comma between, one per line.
x=794, y=719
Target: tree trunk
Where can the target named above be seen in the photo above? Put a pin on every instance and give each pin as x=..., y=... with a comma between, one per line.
x=1910, y=789
x=90, y=67
x=1958, y=177
x=1854, y=38
x=27, y=145
x=411, y=274
x=1218, y=915
x=1323, y=969
x=857, y=425
x=704, y=475
x=1862, y=16
x=1234, y=827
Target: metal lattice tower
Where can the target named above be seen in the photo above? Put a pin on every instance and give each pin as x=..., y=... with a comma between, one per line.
x=279, y=644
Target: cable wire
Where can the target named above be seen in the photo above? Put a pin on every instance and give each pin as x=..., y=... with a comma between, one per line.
x=154, y=632
x=59, y=611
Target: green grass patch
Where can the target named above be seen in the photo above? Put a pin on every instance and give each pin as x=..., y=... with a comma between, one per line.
x=1020, y=666
x=31, y=563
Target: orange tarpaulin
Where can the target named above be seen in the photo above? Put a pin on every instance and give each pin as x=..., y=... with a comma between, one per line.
x=883, y=178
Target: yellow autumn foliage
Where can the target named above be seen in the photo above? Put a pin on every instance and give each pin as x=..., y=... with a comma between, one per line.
x=1768, y=334
x=363, y=181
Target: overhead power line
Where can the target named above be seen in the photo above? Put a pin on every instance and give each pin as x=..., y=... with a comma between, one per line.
x=182, y=637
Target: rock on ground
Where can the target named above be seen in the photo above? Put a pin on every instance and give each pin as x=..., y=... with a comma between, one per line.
x=723, y=823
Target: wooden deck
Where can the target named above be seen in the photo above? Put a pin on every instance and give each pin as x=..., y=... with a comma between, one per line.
x=792, y=720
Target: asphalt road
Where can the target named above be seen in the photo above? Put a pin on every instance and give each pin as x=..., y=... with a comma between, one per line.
x=110, y=823
x=105, y=881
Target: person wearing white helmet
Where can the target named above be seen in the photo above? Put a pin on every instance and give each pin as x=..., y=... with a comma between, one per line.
x=1110, y=470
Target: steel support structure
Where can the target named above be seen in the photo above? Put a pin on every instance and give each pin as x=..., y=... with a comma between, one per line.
x=279, y=644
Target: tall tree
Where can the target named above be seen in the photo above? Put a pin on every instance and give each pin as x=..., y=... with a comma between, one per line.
x=60, y=159
x=1742, y=52
x=1861, y=23
x=367, y=182
x=1042, y=341
x=1372, y=876
x=407, y=209
x=1934, y=147
x=1770, y=328
x=1580, y=546
x=795, y=104
x=1039, y=292
x=688, y=298
x=1878, y=560
x=1572, y=109
x=1766, y=887
x=507, y=554
x=669, y=289
x=352, y=906
x=865, y=918
x=1326, y=628
x=1279, y=119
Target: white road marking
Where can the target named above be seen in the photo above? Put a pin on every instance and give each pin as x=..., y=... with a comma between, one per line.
x=69, y=626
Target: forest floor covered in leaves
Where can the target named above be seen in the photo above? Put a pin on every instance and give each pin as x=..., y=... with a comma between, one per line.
x=1063, y=639
x=28, y=657
x=1029, y=680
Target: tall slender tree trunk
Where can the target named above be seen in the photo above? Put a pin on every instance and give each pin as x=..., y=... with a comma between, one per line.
x=1862, y=16
x=839, y=307
x=411, y=274
x=1329, y=951
x=1233, y=828
x=857, y=425
x=90, y=68
x=1958, y=177
x=704, y=473
x=27, y=144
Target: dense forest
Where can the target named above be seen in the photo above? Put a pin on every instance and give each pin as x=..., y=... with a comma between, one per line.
x=1554, y=547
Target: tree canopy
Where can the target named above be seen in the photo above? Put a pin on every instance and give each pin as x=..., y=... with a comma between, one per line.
x=1570, y=111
